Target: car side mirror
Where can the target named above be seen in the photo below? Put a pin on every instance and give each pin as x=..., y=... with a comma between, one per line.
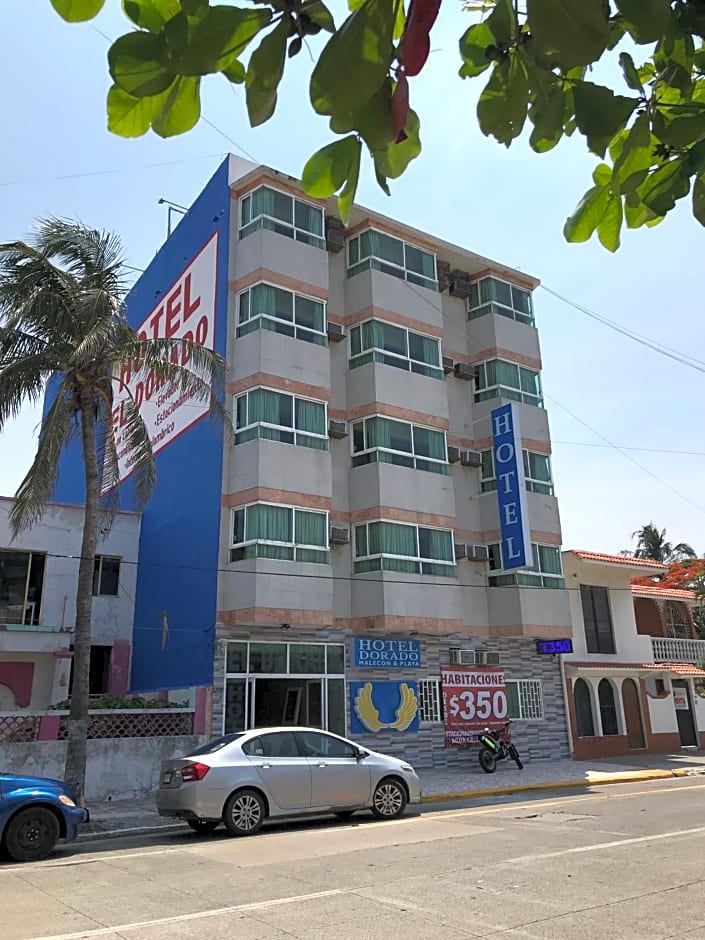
x=360, y=754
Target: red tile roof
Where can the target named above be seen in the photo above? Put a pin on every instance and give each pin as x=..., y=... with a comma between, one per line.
x=619, y=560
x=654, y=590
x=681, y=669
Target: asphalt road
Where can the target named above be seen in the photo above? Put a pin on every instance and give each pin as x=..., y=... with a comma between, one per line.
x=617, y=861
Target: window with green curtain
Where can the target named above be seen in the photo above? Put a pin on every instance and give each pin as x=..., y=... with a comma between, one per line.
x=436, y=544
x=308, y=217
x=512, y=693
x=244, y=308
x=270, y=407
x=537, y=466
x=487, y=465
x=310, y=416
x=269, y=523
x=521, y=301
x=500, y=292
x=507, y=373
x=424, y=349
x=310, y=528
x=361, y=541
x=310, y=313
x=393, y=338
x=356, y=341
x=429, y=443
x=392, y=538
x=530, y=381
x=549, y=560
x=266, y=201
x=420, y=262
x=272, y=301
x=386, y=247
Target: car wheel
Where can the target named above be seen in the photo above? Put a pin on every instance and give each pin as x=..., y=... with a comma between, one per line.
x=389, y=800
x=31, y=834
x=345, y=815
x=244, y=813
x=203, y=826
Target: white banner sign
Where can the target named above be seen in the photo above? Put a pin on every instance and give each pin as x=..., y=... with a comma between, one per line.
x=186, y=311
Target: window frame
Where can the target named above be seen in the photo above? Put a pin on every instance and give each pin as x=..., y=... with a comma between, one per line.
x=402, y=272
x=431, y=700
x=484, y=392
x=529, y=699
x=293, y=430
x=31, y=609
x=98, y=576
x=255, y=223
x=294, y=330
x=592, y=633
x=406, y=362
x=442, y=465
x=499, y=308
x=532, y=575
x=418, y=559
x=279, y=544
x=488, y=484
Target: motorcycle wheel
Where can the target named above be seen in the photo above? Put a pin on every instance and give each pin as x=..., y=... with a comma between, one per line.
x=514, y=754
x=487, y=761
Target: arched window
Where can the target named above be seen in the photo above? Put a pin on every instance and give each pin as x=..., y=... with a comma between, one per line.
x=583, y=709
x=608, y=709
x=677, y=625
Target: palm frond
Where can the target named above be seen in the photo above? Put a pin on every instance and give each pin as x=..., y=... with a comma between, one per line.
x=22, y=379
x=138, y=446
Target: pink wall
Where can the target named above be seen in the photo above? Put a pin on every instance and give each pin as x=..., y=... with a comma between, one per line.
x=18, y=678
x=119, y=677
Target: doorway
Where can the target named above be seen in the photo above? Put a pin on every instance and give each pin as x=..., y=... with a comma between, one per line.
x=632, y=715
x=684, y=714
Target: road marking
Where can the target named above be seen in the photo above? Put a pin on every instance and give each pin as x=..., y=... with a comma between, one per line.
x=182, y=918
x=598, y=846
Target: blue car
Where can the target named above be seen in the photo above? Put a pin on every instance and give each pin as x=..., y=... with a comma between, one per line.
x=35, y=812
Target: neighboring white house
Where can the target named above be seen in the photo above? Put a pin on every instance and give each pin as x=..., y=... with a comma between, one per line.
x=632, y=681
x=38, y=579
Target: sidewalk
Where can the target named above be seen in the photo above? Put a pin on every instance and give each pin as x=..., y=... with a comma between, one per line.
x=139, y=817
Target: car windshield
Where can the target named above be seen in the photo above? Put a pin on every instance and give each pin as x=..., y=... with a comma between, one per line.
x=216, y=744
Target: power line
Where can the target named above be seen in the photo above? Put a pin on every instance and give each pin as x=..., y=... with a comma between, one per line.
x=646, y=450
x=89, y=173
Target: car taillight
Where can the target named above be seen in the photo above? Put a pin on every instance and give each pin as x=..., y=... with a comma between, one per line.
x=194, y=771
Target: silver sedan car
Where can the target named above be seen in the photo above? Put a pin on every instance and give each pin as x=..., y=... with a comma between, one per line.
x=243, y=779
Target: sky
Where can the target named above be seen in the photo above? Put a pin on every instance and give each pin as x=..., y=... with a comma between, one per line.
x=602, y=389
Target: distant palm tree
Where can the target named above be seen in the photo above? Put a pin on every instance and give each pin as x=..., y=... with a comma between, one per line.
x=64, y=336
x=652, y=545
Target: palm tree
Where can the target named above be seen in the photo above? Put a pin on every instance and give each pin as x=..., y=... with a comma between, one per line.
x=64, y=337
x=652, y=545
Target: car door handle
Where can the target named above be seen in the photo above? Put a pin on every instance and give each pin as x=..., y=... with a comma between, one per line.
x=322, y=764
x=264, y=766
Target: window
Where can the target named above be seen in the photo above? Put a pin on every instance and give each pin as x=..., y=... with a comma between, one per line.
x=376, y=251
x=384, y=440
x=276, y=416
x=395, y=546
x=677, y=625
x=430, y=700
x=537, y=472
x=266, y=530
x=499, y=378
x=275, y=744
x=314, y=744
x=608, y=709
x=21, y=582
x=597, y=618
x=377, y=341
x=106, y=576
x=491, y=295
x=524, y=699
x=281, y=213
x=583, y=709
x=99, y=675
x=266, y=307
x=217, y=744
x=546, y=571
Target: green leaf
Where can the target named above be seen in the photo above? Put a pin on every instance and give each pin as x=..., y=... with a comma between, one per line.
x=136, y=64
x=664, y=187
x=502, y=22
x=195, y=7
x=181, y=109
x=631, y=76
x=610, y=225
x=617, y=29
x=235, y=72
x=333, y=166
x=129, y=116
x=474, y=44
x=355, y=61
x=637, y=214
x=548, y=104
x=632, y=165
x=699, y=199
x=151, y=14
x=573, y=32
x=392, y=161
x=373, y=121
x=600, y=114
x=501, y=110
x=217, y=40
x=265, y=72
x=588, y=214
x=319, y=13
x=602, y=175
x=646, y=20
x=77, y=11
x=346, y=197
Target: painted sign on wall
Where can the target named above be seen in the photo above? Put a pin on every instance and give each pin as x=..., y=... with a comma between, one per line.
x=473, y=699
x=386, y=654
x=186, y=310
x=680, y=699
x=511, y=487
x=383, y=706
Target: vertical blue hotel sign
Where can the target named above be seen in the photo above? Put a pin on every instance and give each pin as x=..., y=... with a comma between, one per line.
x=511, y=488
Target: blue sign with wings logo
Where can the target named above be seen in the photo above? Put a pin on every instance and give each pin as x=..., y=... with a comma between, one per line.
x=383, y=706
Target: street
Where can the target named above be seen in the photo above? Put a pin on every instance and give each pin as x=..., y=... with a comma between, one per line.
x=620, y=860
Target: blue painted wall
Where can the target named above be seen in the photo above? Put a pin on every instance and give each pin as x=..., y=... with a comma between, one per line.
x=180, y=526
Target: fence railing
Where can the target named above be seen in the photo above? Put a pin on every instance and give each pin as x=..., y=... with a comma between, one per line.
x=102, y=723
x=671, y=650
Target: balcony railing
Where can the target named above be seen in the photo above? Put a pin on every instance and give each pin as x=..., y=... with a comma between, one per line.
x=668, y=650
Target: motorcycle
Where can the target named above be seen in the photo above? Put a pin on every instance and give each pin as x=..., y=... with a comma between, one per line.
x=496, y=746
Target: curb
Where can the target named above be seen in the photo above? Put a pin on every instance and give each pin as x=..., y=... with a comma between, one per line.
x=156, y=830
x=628, y=777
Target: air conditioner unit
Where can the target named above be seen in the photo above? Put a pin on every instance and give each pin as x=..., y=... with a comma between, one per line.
x=462, y=657
x=461, y=550
x=443, y=275
x=339, y=535
x=478, y=553
x=448, y=364
x=337, y=429
x=492, y=659
x=335, y=235
x=335, y=331
x=453, y=454
x=470, y=458
x=460, y=284
x=464, y=370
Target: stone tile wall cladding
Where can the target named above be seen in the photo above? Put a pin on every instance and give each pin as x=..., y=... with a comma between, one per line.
x=536, y=740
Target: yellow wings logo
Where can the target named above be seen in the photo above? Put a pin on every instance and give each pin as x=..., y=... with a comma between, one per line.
x=368, y=714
